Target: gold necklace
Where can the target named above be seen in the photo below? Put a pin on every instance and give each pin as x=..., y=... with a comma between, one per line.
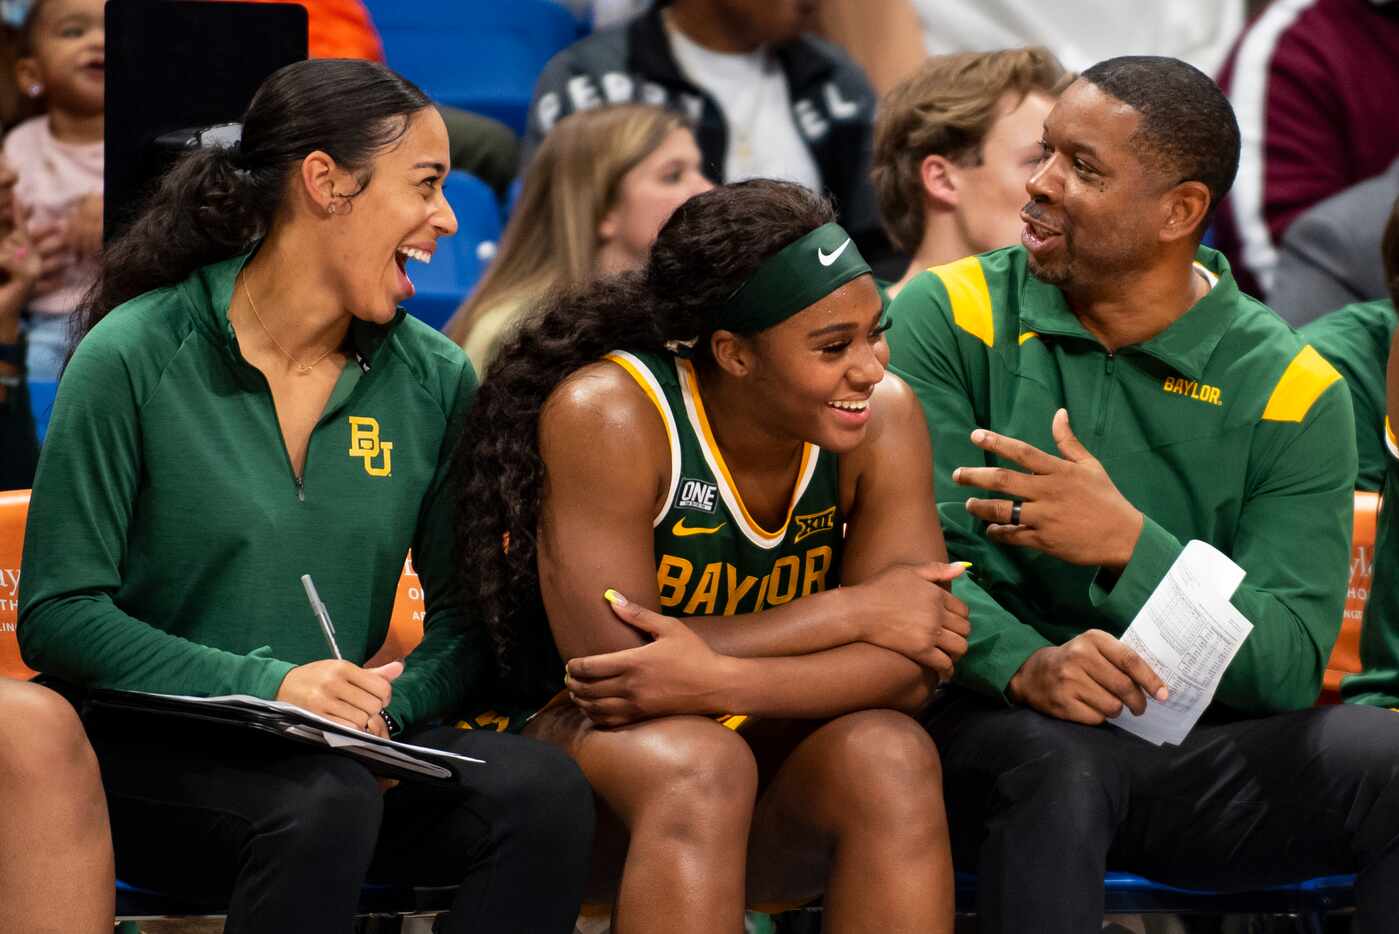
x=302, y=368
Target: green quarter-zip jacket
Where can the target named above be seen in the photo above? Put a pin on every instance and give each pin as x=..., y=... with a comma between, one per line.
x=1224, y=427
x=167, y=533
x=1355, y=340
x=1377, y=682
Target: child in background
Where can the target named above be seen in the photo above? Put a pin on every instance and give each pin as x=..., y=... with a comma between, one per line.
x=58, y=157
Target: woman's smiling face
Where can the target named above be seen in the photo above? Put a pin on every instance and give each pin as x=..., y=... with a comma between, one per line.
x=396, y=217
x=816, y=371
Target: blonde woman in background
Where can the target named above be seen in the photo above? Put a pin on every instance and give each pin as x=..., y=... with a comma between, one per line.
x=595, y=196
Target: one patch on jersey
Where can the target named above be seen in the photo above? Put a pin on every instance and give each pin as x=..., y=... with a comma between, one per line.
x=697, y=495
x=816, y=522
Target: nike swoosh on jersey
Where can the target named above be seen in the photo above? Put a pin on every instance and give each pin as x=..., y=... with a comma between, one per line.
x=680, y=529
x=826, y=259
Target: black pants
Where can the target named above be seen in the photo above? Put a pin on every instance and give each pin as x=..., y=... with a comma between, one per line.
x=1040, y=808
x=290, y=833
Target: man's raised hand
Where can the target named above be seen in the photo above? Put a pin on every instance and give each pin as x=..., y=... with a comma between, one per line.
x=1068, y=506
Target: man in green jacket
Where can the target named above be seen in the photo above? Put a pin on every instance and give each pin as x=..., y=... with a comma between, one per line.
x=1105, y=394
x=1378, y=681
x=1355, y=340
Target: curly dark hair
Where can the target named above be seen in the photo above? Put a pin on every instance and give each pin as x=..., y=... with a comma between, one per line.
x=710, y=246
x=215, y=203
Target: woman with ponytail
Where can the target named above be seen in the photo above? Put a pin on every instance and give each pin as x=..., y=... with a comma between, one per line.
x=698, y=487
x=248, y=404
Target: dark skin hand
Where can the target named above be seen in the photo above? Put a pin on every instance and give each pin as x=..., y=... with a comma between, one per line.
x=1088, y=679
x=1070, y=507
x=677, y=672
x=1072, y=510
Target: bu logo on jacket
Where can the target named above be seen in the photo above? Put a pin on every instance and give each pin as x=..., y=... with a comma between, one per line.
x=365, y=444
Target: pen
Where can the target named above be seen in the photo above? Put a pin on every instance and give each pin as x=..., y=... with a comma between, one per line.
x=322, y=614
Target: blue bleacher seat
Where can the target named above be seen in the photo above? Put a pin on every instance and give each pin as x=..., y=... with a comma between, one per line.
x=1125, y=893
x=459, y=261
x=41, y=393
x=480, y=55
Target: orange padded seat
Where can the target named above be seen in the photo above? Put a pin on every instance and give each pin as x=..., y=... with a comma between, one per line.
x=1345, y=657
x=405, y=627
x=14, y=509
x=406, y=623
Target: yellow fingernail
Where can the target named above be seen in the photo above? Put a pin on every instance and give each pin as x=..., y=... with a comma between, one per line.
x=613, y=597
x=963, y=564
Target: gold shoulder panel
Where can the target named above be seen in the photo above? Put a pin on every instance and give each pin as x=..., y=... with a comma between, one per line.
x=965, y=282
x=1302, y=383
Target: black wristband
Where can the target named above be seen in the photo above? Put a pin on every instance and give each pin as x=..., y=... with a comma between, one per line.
x=393, y=725
x=12, y=354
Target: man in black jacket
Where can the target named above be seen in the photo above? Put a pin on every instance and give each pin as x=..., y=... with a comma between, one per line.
x=765, y=99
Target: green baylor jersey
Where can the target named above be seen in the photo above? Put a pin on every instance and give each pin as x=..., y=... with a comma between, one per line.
x=712, y=557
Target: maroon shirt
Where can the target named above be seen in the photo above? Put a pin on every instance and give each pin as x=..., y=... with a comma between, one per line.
x=1315, y=86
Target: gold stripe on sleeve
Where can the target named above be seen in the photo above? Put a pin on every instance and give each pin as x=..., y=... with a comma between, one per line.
x=965, y=282
x=1302, y=383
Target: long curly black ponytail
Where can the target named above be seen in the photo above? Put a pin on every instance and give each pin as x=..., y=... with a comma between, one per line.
x=215, y=203
x=710, y=246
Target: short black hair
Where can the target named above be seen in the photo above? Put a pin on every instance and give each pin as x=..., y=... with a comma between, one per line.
x=1187, y=129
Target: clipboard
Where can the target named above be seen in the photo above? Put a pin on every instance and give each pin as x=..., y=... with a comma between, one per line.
x=383, y=757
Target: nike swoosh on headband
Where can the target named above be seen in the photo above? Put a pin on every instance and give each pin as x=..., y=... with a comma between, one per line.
x=828, y=258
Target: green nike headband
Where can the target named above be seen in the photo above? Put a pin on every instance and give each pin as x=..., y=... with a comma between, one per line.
x=799, y=275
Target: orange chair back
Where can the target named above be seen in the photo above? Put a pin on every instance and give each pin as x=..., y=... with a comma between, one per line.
x=405, y=626
x=1345, y=657
x=406, y=623
x=14, y=509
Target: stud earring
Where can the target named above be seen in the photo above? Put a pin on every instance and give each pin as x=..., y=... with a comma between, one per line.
x=34, y=90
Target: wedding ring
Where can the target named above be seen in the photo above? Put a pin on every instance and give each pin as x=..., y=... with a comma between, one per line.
x=1015, y=512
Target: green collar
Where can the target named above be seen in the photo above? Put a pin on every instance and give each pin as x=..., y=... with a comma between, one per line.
x=1186, y=345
